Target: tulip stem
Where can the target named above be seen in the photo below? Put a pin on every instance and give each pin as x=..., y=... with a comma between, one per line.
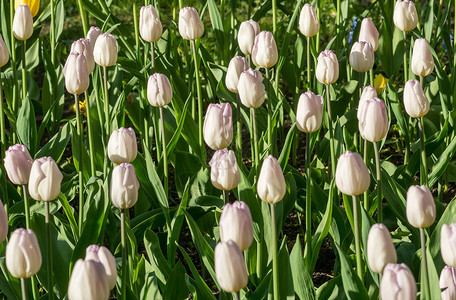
x=24, y=73
x=405, y=56
x=238, y=130
x=366, y=158
x=152, y=56
x=83, y=17
x=49, y=251
x=200, y=100
x=225, y=197
x=53, y=33
x=309, y=81
x=269, y=112
x=424, y=265
x=423, y=173
x=359, y=267
x=24, y=289
x=330, y=127
x=308, y=204
x=3, y=145
x=15, y=104
x=106, y=102
x=26, y=206
x=379, y=184
x=80, y=162
x=274, y=16
x=255, y=142
x=371, y=77
x=90, y=134
x=275, y=263
x=236, y=296
x=165, y=154
x=124, y=254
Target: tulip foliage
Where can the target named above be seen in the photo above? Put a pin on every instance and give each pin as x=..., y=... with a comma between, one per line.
x=227, y=149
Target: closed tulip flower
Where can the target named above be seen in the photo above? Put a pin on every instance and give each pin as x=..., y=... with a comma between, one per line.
x=18, y=164
x=368, y=93
x=398, y=283
x=310, y=112
x=352, y=175
x=3, y=223
x=373, y=122
x=422, y=60
x=122, y=146
x=105, y=50
x=76, y=74
x=405, y=17
x=23, y=255
x=380, y=248
x=308, y=21
x=271, y=186
x=251, y=88
x=88, y=281
x=238, y=64
x=246, y=36
x=327, y=70
x=236, y=224
x=415, y=101
x=45, y=179
x=124, y=186
x=224, y=170
x=218, y=126
x=447, y=283
x=230, y=267
x=362, y=57
x=4, y=54
x=34, y=5
x=85, y=47
x=150, y=26
x=421, y=210
x=102, y=255
x=159, y=91
x=23, y=23
x=93, y=34
x=264, y=52
x=369, y=33
x=190, y=25
x=448, y=244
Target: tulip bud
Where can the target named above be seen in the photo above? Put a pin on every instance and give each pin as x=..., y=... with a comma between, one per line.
x=447, y=283
x=271, y=183
x=76, y=74
x=308, y=21
x=368, y=93
x=122, y=146
x=102, y=255
x=238, y=64
x=45, y=179
x=34, y=5
x=88, y=281
x=421, y=209
x=422, y=60
x=150, y=26
x=369, y=33
x=23, y=255
x=159, y=91
x=124, y=186
x=23, y=23
x=405, y=17
x=352, y=175
x=190, y=25
x=18, y=164
x=218, y=126
x=398, y=283
x=230, y=267
x=264, y=52
x=236, y=224
x=251, y=88
x=380, y=248
x=448, y=244
x=246, y=36
x=93, y=34
x=373, y=122
x=85, y=47
x=310, y=112
x=3, y=223
x=327, y=70
x=362, y=57
x=4, y=54
x=415, y=101
x=224, y=170
x=105, y=50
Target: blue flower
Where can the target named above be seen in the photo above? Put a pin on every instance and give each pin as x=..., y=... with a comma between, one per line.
x=352, y=29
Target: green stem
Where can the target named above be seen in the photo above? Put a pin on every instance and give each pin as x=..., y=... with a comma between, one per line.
x=2, y=122
x=426, y=286
x=424, y=177
x=24, y=289
x=49, y=251
x=274, y=17
x=90, y=135
x=379, y=184
x=225, y=197
x=53, y=40
x=13, y=64
x=337, y=16
x=152, y=56
x=330, y=128
x=371, y=77
x=309, y=81
x=80, y=162
x=165, y=154
x=366, y=158
x=275, y=262
x=83, y=16
x=26, y=206
x=271, y=148
x=136, y=26
x=124, y=255
x=238, y=130
x=308, y=204
x=200, y=100
x=106, y=103
x=236, y=296
x=405, y=57
x=256, y=161
x=359, y=267
x=24, y=73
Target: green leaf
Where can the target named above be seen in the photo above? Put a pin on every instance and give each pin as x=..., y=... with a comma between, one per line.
x=57, y=144
x=26, y=126
x=174, y=288
x=302, y=282
x=158, y=262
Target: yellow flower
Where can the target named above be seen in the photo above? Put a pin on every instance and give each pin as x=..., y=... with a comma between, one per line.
x=34, y=5
x=82, y=107
x=380, y=83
